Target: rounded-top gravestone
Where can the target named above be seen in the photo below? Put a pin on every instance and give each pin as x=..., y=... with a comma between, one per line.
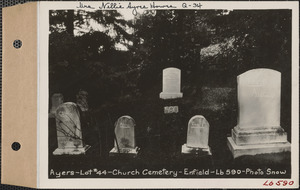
x=124, y=130
x=198, y=132
x=69, y=132
x=197, y=137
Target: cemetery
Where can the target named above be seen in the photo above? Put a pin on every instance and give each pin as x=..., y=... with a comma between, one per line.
x=138, y=113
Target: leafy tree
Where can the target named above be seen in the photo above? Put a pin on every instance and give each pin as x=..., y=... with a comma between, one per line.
x=202, y=43
x=83, y=52
x=261, y=38
x=171, y=39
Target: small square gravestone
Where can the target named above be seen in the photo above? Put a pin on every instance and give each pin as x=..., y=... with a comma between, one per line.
x=124, y=137
x=69, y=133
x=56, y=100
x=171, y=84
x=258, y=130
x=197, y=137
x=82, y=100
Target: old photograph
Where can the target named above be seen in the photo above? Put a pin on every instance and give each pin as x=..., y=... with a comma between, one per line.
x=176, y=93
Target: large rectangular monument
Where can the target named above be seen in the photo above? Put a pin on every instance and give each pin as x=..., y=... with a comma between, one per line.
x=68, y=127
x=258, y=130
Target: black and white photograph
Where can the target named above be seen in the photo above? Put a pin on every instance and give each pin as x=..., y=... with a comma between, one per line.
x=169, y=93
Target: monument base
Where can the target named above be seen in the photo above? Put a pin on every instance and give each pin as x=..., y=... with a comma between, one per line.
x=197, y=151
x=128, y=151
x=165, y=96
x=238, y=150
x=71, y=151
x=258, y=136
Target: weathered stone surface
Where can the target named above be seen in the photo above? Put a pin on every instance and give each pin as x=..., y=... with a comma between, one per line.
x=198, y=132
x=125, y=132
x=255, y=149
x=56, y=100
x=197, y=136
x=259, y=99
x=263, y=136
x=125, y=136
x=171, y=84
x=68, y=127
x=258, y=130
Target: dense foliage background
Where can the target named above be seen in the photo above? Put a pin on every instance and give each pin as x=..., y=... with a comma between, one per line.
x=210, y=47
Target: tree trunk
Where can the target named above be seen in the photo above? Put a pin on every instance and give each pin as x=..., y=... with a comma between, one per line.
x=70, y=22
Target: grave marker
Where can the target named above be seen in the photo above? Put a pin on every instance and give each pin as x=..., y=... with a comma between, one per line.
x=171, y=84
x=197, y=137
x=68, y=127
x=124, y=136
x=258, y=130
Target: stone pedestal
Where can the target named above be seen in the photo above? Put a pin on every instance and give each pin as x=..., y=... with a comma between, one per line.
x=71, y=150
x=128, y=151
x=196, y=151
x=164, y=95
x=258, y=136
x=257, y=141
x=254, y=149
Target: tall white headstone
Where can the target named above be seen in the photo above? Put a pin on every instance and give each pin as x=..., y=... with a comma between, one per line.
x=171, y=84
x=125, y=136
x=69, y=133
x=258, y=129
x=197, y=136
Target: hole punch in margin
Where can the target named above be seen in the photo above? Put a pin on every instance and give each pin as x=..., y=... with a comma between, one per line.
x=16, y=146
x=17, y=44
